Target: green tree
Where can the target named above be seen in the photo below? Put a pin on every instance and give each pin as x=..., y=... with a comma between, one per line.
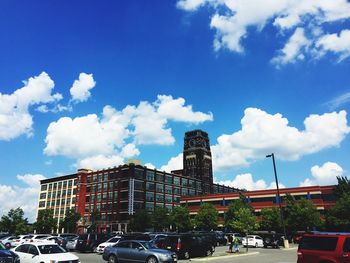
x=45, y=222
x=234, y=206
x=244, y=221
x=271, y=219
x=301, y=215
x=95, y=216
x=69, y=223
x=14, y=222
x=338, y=217
x=180, y=219
x=343, y=187
x=207, y=217
x=140, y=220
x=161, y=218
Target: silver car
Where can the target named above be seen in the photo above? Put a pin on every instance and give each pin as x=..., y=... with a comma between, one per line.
x=71, y=244
x=137, y=251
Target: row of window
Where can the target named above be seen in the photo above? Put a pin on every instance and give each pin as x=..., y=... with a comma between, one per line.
x=59, y=185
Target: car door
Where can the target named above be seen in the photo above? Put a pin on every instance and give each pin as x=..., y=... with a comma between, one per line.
x=123, y=251
x=33, y=254
x=138, y=253
x=22, y=252
x=346, y=251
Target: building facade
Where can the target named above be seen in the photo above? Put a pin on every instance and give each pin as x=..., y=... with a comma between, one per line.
x=321, y=196
x=58, y=194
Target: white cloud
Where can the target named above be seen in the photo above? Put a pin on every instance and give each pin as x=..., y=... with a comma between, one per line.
x=175, y=163
x=80, y=91
x=324, y=175
x=339, y=101
x=231, y=19
x=292, y=51
x=118, y=133
x=100, y=161
x=339, y=45
x=263, y=133
x=15, y=118
x=246, y=181
x=26, y=197
x=150, y=165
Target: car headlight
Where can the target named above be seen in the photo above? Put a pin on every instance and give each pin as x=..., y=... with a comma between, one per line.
x=164, y=257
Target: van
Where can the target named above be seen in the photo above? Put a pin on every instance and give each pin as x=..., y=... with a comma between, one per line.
x=324, y=248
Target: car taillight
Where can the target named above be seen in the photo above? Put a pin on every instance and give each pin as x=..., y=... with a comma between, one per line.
x=178, y=246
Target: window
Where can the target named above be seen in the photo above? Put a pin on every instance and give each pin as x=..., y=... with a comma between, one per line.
x=318, y=243
x=44, y=187
x=138, y=174
x=150, y=176
x=43, y=196
x=124, y=184
x=168, y=199
x=138, y=195
x=138, y=185
x=184, y=191
x=42, y=204
x=159, y=188
x=169, y=179
x=184, y=182
x=177, y=191
x=159, y=198
x=64, y=184
x=168, y=189
x=70, y=182
x=149, y=206
x=150, y=186
x=346, y=247
x=149, y=197
x=50, y=187
x=176, y=180
x=159, y=177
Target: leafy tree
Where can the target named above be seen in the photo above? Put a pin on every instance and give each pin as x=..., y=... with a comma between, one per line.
x=343, y=187
x=271, y=219
x=14, y=222
x=338, y=217
x=180, y=219
x=207, y=217
x=95, y=216
x=244, y=221
x=161, y=219
x=140, y=221
x=234, y=206
x=45, y=222
x=301, y=214
x=70, y=221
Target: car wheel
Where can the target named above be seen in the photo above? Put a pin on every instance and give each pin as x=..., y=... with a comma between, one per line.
x=209, y=252
x=152, y=260
x=112, y=259
x=186, y=255
x=256, y=244
x=94, y=249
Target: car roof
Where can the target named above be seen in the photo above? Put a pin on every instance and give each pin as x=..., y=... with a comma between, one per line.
x=330, y=234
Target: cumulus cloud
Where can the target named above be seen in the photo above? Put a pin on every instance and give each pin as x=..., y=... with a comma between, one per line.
x=118, y=133
x=100, y=161
x=80, y=91
x=150, y=165
x=324, y=175
x=175, y=163
x=24, y=197
x=15, y=118
x=246, y=181
x=231, y=19
x=263, y=133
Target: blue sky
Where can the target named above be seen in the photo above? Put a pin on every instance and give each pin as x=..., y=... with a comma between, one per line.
x=89, y=84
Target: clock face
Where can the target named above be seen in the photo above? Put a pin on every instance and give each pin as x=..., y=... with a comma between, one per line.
x=192, y=143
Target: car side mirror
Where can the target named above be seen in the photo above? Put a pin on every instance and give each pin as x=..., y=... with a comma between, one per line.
x=34, y=255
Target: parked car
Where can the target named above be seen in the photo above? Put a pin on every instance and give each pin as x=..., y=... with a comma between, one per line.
x=137, y=251
x=220, y=238
x=20, y=240
x=89, y=242
x=67, y=235
x=186, y=245
x=110, y=242
x=35, y=238
x=253, y=241
x=71, y=244
x=6, y=241
x=273, y=240
x=324, y=247
x=54, y=240
x=8, y=255
x=44, y=253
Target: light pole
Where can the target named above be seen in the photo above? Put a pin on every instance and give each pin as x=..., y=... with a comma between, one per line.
x=279, y=199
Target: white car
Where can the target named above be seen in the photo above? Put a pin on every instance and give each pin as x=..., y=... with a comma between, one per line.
x=6, y=241
x=44, y=253
x=36, y=238
x=253, y=241
x=110, y=242
x=20, y=240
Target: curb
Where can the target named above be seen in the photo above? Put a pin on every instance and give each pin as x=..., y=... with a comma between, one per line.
x=224, y=256
x=291, y=248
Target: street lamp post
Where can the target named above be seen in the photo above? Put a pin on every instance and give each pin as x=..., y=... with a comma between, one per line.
x=286, y=244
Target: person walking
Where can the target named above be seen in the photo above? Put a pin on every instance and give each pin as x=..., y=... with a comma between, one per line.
x=236, y=244
x=230, y=242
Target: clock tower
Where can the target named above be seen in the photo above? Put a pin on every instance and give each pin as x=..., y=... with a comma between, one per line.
x=197, y=161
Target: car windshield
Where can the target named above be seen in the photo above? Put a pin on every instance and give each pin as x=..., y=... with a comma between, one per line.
x=148, y=245
x=51, y=249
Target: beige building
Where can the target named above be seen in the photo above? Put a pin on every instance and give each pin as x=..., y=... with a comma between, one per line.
x=58, y=194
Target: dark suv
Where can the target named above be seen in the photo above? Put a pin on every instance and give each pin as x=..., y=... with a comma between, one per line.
x=324, y=248
x=186, y=245
x=89, y=242
x=7, y=256
x=272, y=240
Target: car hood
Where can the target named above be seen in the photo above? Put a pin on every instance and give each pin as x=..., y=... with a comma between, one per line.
x=59, y=256
x=7, y=253
x=162, y=251
x=106, y=244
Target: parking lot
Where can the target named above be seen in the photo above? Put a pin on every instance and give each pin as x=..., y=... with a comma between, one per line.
x=254, y=255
